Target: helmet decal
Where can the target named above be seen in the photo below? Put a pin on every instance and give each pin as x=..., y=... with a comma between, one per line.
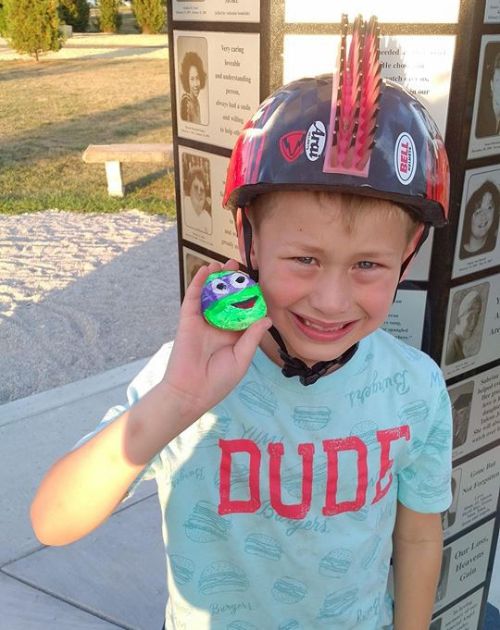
x=438, y=173
x=292, y=145
x=315, y=140
x=405, y=158
x=355, y=99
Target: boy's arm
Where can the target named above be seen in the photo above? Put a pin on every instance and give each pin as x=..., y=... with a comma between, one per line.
x=82, y=489
x=418, y=546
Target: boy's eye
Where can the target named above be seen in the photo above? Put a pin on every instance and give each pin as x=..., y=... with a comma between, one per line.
x=305, y=260
x=366, y=264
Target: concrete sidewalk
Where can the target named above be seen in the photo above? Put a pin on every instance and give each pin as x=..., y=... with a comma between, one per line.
x=115, y=577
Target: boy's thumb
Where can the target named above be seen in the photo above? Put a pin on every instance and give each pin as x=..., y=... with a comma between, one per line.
x=245, y=347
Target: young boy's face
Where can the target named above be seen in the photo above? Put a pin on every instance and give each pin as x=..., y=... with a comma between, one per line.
x=326, y=286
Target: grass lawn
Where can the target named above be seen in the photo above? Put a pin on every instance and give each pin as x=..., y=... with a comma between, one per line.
x=52, y=110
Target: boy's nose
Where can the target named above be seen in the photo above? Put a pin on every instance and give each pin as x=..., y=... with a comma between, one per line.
x=332, y=294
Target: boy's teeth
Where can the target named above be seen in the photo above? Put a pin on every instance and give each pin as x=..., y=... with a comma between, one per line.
x=323, y=328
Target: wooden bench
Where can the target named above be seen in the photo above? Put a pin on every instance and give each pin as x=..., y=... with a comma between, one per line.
x=113, y=155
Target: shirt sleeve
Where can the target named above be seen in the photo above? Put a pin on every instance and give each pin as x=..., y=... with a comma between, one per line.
x=148, y=377
x=424, y=485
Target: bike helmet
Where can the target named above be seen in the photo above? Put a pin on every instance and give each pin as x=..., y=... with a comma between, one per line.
x=350, y=132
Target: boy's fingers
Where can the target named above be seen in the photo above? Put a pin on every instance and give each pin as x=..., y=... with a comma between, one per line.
x=191, y=302
x=244, y=348
x=231, y=265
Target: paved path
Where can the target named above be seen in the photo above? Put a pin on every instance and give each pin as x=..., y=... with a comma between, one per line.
x=115, y=577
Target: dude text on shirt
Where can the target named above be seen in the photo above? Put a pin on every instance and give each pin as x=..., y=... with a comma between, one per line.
x=306, y=451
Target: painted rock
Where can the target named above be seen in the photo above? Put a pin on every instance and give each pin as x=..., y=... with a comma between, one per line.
x=231, y=300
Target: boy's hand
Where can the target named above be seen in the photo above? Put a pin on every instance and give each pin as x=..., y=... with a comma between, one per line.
x=207, y=363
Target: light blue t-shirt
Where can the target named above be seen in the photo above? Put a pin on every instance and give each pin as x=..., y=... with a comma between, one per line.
x=278, y=505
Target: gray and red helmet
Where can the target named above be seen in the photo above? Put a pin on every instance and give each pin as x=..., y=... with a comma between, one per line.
x=351, y=132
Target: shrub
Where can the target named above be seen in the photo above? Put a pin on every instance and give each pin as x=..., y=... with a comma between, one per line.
x=75, y=13
x=150, y=15
x=3, y=23
x=32, y=25
x=109, y=16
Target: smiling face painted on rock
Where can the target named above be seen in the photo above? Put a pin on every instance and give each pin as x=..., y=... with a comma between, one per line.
x=231, y=300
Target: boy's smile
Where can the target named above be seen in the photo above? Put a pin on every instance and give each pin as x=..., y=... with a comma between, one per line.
x=321, y=331
x=327, y=285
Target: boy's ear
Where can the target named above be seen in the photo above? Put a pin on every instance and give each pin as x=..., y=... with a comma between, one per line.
x=241, y=239
x=410, y=251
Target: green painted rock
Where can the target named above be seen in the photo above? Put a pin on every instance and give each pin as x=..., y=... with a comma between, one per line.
x=231, y=300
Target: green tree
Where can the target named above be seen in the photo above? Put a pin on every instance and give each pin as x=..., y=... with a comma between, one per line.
x=32, y=25
x=75, y=13
x=149, y=14
x=109, y=16
x=3, y=23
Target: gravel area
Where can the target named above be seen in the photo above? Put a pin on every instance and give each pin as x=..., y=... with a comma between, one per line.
x=82, y=293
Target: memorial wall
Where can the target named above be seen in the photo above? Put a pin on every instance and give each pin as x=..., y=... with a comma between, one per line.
x=226, y=56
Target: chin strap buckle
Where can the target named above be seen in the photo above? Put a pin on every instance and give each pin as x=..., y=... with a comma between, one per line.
x=309, y=375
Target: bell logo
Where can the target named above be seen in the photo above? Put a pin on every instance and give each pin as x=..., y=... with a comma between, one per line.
x=405, y=158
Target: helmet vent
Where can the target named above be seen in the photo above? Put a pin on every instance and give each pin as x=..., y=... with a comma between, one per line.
x=355, y=100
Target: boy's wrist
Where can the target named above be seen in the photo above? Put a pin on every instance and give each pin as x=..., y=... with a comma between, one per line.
x=156, y=419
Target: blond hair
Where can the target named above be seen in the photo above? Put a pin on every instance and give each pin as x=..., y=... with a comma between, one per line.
x=351, y=208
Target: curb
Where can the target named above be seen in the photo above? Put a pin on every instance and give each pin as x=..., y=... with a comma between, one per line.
x=59, y=396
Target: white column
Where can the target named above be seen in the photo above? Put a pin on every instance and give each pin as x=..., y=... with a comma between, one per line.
x=114, y=177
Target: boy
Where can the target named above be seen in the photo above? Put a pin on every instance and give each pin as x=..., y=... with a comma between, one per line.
x=290, y=459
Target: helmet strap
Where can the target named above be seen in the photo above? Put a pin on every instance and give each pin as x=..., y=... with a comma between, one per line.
x=292, y=366
x=423, y=237
x=247, y=239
